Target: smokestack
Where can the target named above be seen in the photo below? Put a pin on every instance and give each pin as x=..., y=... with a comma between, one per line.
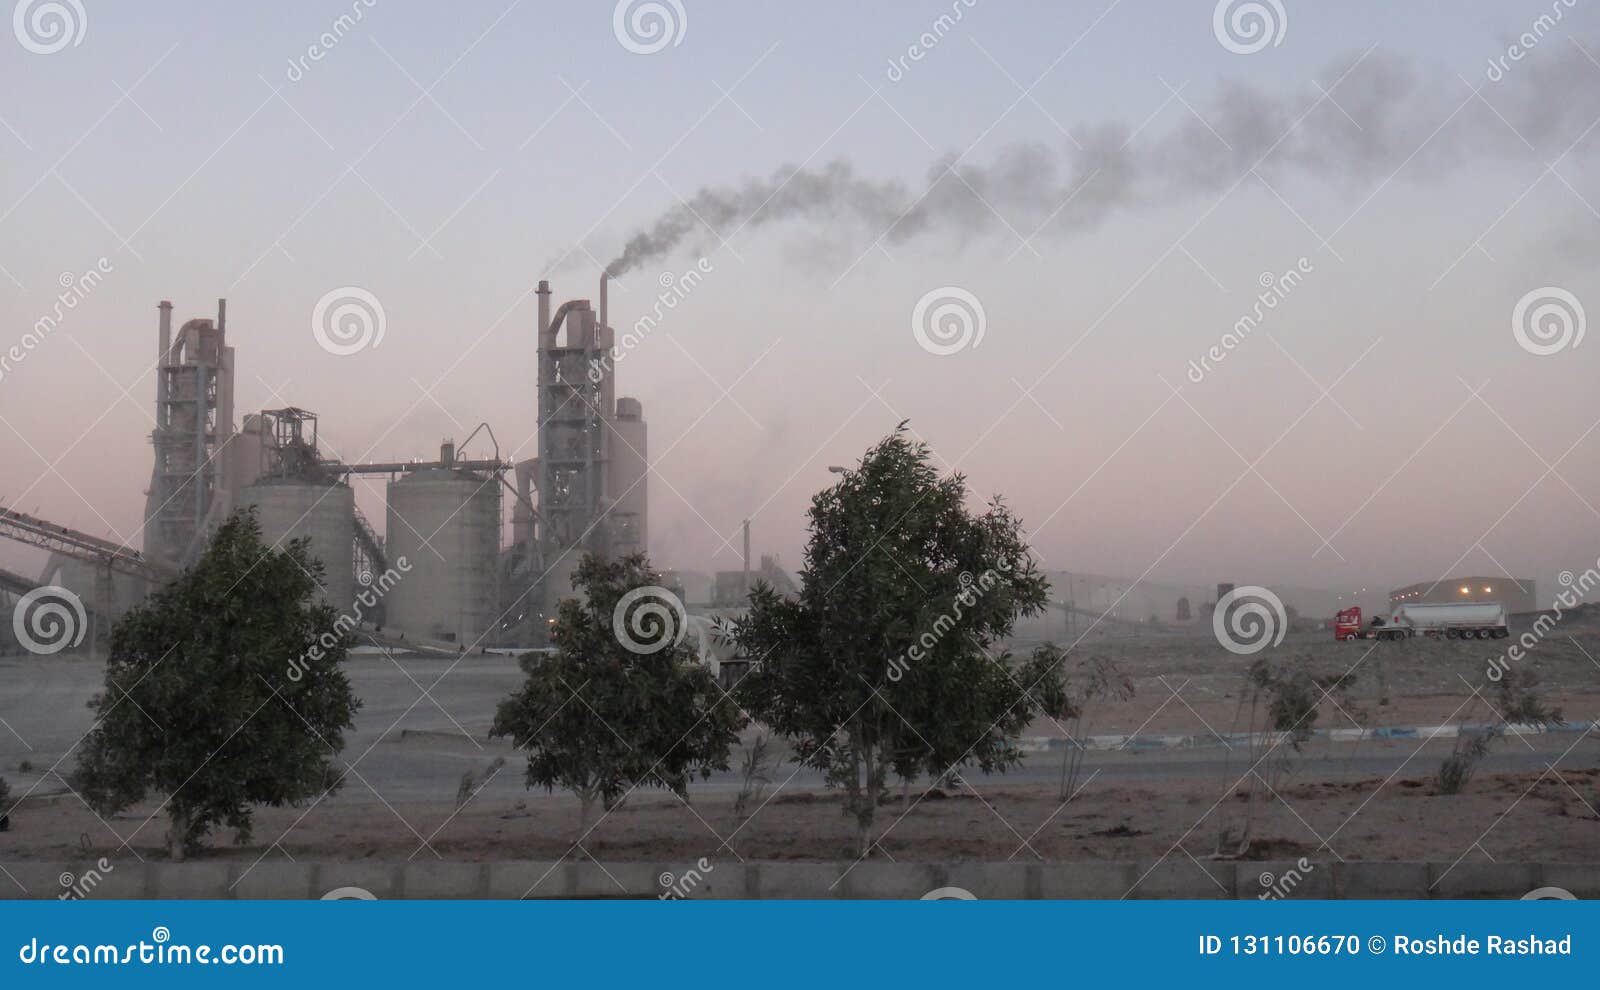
x=544, y=310
x=163, y=356
x=166, y=330
x=747, y=556
x=605, y=280
x=222, y=315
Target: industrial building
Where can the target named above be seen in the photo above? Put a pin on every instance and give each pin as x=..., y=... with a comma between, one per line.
x=1517, y=594
x=462, y=586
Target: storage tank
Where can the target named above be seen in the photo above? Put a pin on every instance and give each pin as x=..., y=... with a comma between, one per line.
x=1470, y=616
x=289, y=510
x=244, y=454
x=445, y=523
x=629, y=481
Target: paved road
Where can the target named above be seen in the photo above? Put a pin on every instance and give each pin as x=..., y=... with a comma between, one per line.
x=413, y=740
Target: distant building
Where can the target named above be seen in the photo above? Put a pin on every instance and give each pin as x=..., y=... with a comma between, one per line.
x=730, y=590
x=1517, y=594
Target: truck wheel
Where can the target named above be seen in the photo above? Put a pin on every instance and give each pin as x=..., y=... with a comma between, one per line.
x=1452, y=634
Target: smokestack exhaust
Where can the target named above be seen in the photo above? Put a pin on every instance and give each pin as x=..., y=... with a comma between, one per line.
x=544, y=310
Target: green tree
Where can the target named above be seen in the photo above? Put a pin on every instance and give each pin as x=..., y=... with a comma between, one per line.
x=886, y=662
x=1517, y=702
x=623, y=701
x=224, y=691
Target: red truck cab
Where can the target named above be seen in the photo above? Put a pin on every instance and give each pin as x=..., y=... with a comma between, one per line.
x=1347, y=624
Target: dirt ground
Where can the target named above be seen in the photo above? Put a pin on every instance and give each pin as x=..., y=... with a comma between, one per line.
x=1502, y=816
x=1184, y=684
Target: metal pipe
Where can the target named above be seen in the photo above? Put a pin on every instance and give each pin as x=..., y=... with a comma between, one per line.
x=163, y=355
x=166, y=330
x=561, y=315
x=544, y=310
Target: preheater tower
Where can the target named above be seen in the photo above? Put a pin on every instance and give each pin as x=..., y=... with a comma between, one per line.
x=194, y=421
x=593, y=453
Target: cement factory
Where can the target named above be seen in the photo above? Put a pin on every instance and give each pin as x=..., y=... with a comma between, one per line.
x=465, y=587
x=586, y=491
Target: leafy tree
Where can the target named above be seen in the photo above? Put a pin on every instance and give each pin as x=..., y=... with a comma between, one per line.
x=886, y=661
x=623, y=701
x=1517, y=702
x=5, y=805
x=1098, y=679
x=1280, y=702
x=224, y=691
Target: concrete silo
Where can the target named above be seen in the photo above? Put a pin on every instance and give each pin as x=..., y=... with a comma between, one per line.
x=290, y=509
x=445, y=523
x=628, y=481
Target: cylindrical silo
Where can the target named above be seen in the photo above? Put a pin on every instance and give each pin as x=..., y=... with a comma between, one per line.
x=445, y=524
x=290, y=510
x=628, y=490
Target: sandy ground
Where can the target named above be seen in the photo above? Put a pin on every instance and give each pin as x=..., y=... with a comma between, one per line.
x=1185, y=683
x=1189, y=684
x=1524, y=816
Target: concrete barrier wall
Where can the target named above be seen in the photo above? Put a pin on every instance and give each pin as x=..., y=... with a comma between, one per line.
x=1171, y=879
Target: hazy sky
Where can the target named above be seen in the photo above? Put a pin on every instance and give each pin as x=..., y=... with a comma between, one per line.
x=1125, y=174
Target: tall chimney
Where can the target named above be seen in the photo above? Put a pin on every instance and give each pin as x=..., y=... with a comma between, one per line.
x=605, y=279
x=162, y=357
x=222, y=316
x=544, y=310
x=747, y=556
x=166, y=330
